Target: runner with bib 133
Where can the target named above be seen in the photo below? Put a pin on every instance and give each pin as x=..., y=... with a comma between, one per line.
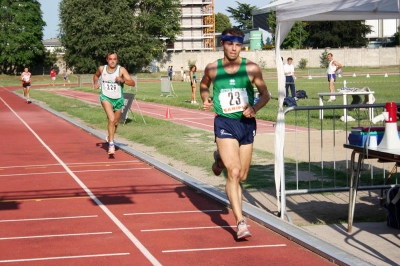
x=110, y=79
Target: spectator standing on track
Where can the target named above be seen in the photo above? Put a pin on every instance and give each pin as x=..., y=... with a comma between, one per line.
x=111, y=79
x=288, y=69
x=193, y=83
x=26, y=83
x=53, y=76
x=235, y=124
x=333, y=67
x=65, y=76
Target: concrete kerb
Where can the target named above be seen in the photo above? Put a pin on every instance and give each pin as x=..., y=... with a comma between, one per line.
x=292, y=232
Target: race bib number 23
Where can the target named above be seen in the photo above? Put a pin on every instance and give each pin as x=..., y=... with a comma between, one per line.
x=233, y=100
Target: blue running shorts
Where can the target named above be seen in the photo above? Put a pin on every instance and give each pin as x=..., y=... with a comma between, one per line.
x=243, y=130
x=331, y=76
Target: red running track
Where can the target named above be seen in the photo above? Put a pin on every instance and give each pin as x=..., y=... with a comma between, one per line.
x=64, y=201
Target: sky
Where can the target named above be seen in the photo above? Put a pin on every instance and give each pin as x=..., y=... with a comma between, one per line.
x=50, y=12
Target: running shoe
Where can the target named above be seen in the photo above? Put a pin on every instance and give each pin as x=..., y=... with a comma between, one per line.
x=111, y=149
x=332, y=99
x=28, y=101
x=243, y=231
x=218, y=160
x=218, y=165
x=216, y=170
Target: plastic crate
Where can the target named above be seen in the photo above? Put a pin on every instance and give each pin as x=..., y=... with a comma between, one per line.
x=359, y=139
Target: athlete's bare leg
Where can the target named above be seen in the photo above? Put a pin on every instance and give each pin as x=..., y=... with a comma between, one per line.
x=113, y=118
x=332, y=85
x=237, y=162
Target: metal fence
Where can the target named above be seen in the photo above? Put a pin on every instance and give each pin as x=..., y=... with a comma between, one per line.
x=85, y=79
x=321, y=163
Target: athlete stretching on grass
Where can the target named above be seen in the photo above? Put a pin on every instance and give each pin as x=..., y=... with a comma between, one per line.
x=26, y=84
x=110, y=79
x=234, y=125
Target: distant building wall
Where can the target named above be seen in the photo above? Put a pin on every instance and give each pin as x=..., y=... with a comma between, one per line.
x=360, y=57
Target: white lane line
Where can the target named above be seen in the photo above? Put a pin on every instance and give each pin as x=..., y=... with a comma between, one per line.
x=49, y=218
x=188, y=228
x=174, y=212
x=123, y=228
x=66, y=257
x=77, y=171
x=54, y=164
x=223, y=248
x=48, y=236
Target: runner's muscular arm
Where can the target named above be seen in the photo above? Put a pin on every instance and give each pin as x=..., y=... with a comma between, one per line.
x=255, y=76
x=208, y=77
x=125, y=78
x=96, y=77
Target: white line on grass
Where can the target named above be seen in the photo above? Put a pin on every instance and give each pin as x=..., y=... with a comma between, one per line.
x=125, y=230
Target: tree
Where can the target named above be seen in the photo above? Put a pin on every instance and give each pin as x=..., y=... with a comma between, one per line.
x=242, y=15
x=49, y=59
x=222, y=22
x=296, y=36
x=336, y=34
x=396, y=38
x=323, y=59
x=21, y=34
x=136, y=30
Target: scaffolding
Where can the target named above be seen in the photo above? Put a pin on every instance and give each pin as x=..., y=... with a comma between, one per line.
x=198, y=26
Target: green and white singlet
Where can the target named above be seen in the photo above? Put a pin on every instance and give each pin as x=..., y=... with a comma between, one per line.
x=232, y=92
x=109, y=87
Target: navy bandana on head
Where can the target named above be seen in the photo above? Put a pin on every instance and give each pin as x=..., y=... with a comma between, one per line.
x=232, y=38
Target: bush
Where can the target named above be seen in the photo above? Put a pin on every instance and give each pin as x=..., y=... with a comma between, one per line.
x=191, y=63
x=303, y=63
x=262, y=63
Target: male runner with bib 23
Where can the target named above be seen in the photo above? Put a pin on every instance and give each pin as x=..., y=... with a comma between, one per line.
x=110, y=79
x=233, y=78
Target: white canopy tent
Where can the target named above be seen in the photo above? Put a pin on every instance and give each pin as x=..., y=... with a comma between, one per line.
x=310, y=10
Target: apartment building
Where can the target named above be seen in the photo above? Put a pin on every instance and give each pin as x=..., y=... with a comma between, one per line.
x=198, y=27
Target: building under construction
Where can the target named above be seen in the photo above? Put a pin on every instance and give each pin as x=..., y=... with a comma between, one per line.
x=198, y=27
